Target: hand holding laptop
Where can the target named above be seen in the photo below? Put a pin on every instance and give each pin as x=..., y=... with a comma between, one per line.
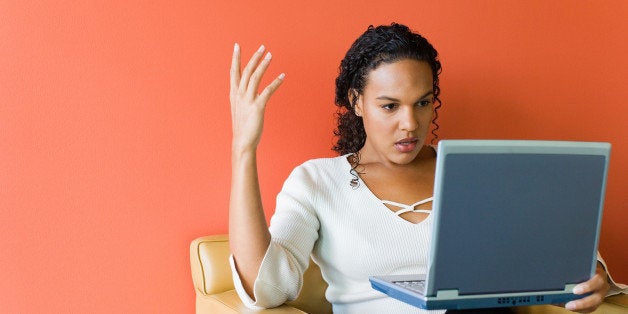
x=597, y=286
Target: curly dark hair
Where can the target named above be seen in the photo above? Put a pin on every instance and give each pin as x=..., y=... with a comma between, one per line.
x=381, y=44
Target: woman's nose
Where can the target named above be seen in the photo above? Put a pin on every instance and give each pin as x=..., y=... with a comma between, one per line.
x=408, y=120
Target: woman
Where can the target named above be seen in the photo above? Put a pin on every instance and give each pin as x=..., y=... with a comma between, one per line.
x=353, y=214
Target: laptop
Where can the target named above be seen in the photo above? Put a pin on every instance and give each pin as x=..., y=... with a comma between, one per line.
x=515, y=222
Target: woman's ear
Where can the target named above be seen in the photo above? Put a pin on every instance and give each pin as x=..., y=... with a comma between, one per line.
x=356, y=101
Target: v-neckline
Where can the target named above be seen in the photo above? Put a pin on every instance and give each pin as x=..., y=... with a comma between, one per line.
x=362, y=185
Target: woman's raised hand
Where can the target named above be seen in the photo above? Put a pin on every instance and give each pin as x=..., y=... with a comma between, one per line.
x=247, y=105
x=248, y=232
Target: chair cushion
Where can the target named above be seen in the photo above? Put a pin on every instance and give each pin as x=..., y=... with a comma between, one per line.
x=229, y=302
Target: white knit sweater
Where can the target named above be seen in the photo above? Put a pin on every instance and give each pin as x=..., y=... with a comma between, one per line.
x=348, y=232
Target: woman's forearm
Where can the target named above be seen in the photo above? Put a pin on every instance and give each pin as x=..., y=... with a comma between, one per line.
x=248, y=232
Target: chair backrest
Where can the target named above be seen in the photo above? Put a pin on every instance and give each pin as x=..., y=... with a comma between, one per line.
x=211, y=273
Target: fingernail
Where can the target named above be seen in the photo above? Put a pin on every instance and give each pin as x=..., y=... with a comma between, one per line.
x=570, y=306
x=236, y=47
x=268, y=56
x=578, y=290
x=261, y=48
x=282, y=76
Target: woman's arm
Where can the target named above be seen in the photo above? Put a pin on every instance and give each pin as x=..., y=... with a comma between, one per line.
x=248, y=232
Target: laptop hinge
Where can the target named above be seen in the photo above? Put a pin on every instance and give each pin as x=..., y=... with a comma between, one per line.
x=447, y=294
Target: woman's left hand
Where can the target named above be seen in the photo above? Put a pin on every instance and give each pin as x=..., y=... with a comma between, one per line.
x=597, y=286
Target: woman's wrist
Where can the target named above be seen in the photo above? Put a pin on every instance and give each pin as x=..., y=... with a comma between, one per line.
x=239, y=152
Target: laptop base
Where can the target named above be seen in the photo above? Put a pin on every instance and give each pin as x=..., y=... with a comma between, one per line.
x=453, y=301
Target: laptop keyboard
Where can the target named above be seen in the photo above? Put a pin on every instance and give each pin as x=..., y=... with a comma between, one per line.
x=414, y=285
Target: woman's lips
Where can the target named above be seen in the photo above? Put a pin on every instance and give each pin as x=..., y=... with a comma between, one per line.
x=406, y=145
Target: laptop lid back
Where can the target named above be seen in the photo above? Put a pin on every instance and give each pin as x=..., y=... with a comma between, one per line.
x=515, y=216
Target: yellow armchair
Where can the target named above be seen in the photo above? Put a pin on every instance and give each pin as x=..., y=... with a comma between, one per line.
x=211, y=274
x=215, y=294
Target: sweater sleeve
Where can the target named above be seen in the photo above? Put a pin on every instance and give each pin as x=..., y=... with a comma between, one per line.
x=294, y=230
x=616, y=288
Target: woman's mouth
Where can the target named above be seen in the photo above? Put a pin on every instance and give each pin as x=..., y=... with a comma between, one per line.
x=406, y=145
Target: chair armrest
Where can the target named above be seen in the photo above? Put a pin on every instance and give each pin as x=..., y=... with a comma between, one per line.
x=213, y=282
x=211, y=274
x=209, y=260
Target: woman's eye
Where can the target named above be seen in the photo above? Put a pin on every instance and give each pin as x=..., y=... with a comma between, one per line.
x=426, y=102
x=389, y=106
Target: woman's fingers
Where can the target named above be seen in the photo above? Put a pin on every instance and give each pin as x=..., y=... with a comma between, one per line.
x=248, y=70
x=272, y=87
x=246, y=83
x=585, y=305
x=256, y=77
x=235, y=71
x=596, y=286
x=247, y=105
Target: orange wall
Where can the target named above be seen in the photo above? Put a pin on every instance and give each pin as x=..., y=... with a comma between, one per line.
x=114, y=122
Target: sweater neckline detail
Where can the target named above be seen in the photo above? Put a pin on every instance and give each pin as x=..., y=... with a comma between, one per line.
x=363, y=188
x=410, y=208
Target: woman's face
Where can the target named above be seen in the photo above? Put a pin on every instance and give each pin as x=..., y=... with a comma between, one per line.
x=396, y=106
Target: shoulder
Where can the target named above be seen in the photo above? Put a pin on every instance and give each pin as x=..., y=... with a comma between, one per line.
x=325, y=163
x=322, y=169
x=314, y=178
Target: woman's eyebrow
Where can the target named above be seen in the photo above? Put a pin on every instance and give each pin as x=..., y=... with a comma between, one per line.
x=389, y=98
x=383, y=97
